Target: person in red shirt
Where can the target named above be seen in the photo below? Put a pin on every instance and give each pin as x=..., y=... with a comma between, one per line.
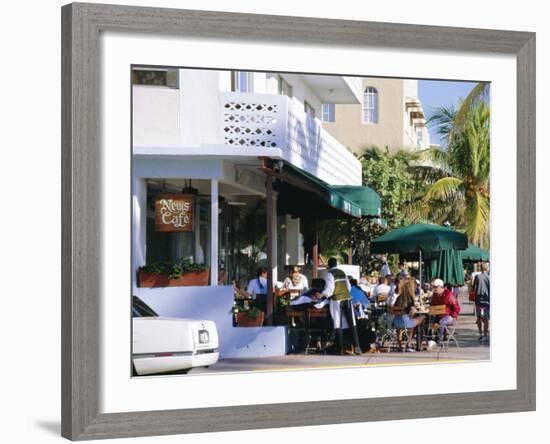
x=444, y=296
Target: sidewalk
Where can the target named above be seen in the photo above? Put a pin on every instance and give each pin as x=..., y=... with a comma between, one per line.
x=470, y=350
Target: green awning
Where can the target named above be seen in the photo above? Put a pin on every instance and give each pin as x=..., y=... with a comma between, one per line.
x=474, y=254
x=364, y=196
x=301, y=193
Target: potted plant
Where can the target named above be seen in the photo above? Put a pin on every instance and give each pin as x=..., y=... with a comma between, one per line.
x=249, y=315
x=173, y=274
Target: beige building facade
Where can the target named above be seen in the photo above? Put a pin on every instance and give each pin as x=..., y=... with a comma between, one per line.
x=390, y=115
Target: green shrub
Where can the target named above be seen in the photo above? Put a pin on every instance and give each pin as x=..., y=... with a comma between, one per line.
x=173, y=269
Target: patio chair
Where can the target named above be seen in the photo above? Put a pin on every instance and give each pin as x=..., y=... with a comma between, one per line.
x=447, y=331
x=381, y=298
x=297, y=329
x=391, y=337
x=317, y=329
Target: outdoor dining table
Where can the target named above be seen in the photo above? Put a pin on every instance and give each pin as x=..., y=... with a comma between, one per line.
x=419, y=333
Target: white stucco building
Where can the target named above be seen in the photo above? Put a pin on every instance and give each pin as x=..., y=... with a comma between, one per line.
x=241, y=142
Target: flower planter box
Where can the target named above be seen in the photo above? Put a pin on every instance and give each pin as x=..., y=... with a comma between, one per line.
x=244, y=321
x=188, y=279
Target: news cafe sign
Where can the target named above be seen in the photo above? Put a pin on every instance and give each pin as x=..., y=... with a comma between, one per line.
x=174, y=212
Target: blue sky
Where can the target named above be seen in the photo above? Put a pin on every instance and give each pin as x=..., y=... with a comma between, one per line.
x=435, y=93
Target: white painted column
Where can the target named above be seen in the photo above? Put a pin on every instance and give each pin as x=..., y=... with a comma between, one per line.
x=293, y=241
x=139, y=226
x=274, y=237
x=214, y=218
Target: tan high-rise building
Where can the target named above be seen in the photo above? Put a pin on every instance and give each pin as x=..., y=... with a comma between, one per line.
x=390, y=115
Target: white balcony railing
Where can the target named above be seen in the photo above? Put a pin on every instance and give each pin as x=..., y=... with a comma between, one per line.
x=274, y=121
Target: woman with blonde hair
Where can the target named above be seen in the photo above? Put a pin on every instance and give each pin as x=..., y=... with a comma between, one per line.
x=404, y=304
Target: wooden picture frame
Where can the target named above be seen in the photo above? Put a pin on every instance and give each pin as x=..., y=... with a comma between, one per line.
x=81, y=172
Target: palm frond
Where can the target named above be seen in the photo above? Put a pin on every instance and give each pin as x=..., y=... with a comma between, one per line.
x=438, y=157
x=426, y=175
x=477, y=214
x=480, y=93
x=442, y=120
x=446, y=188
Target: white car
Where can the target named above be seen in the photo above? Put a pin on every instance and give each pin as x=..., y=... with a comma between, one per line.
x=170, y=345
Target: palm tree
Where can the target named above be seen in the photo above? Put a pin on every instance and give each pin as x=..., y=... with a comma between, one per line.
x=480, y=93
x=464, y=166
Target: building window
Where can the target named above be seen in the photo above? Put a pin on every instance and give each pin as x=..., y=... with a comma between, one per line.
x=285, y=88
x=370, y=105
x=329, y=112
x=156, y=77
x=241, y=81
x=309, y=110
x=419, y=138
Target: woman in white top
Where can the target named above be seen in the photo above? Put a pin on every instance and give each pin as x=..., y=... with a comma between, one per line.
x=296, y=283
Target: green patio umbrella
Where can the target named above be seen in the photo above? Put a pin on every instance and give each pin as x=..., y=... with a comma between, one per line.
x=419, y=239
x=474, y=254
x=446, y=265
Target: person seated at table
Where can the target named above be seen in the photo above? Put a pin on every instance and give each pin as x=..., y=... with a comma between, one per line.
x=444, y=296
x=393, y=294
x=257, y=289
x=404, y=304
x=395, y=288
x=296, y=283
x=372, y=283
x=403, y=270
x=418, y=287
x=365, y=284
x=311, y=296
x=359, y=298
x=382, y=288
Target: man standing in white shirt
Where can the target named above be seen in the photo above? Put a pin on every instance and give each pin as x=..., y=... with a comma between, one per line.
x=385, y=269
x=337, y=289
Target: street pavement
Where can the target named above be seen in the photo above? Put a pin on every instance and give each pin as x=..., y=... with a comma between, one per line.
x=470, y=349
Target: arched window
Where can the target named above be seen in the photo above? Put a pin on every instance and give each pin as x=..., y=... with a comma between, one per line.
x=370, y=105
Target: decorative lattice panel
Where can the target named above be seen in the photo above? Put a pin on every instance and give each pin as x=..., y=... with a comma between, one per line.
x=319, y=153
x=250, y=124
x=252, y=120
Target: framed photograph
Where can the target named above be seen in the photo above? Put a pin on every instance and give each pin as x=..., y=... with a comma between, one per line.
x=268, y=221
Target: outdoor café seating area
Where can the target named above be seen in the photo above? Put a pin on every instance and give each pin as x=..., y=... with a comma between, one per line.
x=381, y=312
x=310, y=327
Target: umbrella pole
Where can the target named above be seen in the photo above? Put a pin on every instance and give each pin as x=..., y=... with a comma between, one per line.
x=420, y=268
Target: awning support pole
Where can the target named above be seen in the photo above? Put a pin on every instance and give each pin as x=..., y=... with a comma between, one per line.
x=214, y=225
x=270, y=228
x=350, y=249
x=315, y=250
